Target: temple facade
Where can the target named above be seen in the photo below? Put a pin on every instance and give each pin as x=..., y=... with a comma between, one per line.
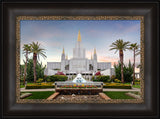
x=78, y=63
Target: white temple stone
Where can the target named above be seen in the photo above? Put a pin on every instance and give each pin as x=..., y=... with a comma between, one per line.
x=78, y=64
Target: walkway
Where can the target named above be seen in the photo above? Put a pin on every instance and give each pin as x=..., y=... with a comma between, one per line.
x=52, y=89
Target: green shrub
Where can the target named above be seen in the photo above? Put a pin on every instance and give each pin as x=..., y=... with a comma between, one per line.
x=54, y=78
x=101, y=78
x=117, y=81
x=137, y=80
x=40, y=85
x=113, y=77
x=39, y=80
x=48, y=80
x=137, y=83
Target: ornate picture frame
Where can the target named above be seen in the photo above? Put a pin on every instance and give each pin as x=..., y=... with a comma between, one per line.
x=12, y=106
x=19, y=18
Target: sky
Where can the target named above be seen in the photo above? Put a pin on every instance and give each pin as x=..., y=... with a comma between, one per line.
x=53, y=35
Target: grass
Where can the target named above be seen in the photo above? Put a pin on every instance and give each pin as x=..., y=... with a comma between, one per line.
x=137, y=93
x=136, y=86
x=22, y=86
x=40, y=95
x=117, y=95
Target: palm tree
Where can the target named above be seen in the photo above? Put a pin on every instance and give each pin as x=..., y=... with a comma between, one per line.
x=36, y=50
x=26, y=51
x=120, y=45
x=135, y=48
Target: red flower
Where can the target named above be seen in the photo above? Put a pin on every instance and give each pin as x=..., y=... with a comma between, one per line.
x=98, y=73
x=59, y=73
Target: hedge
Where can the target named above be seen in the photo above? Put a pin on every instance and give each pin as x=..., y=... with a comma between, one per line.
x=38, y=86
x=54, y=78
x=117, y=86
x=137, y=83
x=101, y=78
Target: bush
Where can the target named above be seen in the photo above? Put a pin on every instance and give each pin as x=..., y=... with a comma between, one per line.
x=137, y=80
x=127, y=72
x=101, y=78
x=117, y=81
x=137, y=83
x=39, y=80
x=54, y=78
x=40, y=86
x=46, y=77
x=48, y=80
x=113, y=77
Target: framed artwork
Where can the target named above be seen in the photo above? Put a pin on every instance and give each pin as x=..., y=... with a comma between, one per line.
x=75, y=81
x=91, y=59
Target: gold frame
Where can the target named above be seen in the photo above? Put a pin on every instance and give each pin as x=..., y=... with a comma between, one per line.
x=19, y=18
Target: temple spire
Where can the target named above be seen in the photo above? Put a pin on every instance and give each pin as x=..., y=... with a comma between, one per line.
x=79, y=36
x=91, y=56
x=67, y=57
x=94, y=50
x=63, y=51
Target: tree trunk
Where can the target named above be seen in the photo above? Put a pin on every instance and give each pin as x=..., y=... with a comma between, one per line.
x=134, y=67
x=121, y=60
x=25, y=69
x=34, y=66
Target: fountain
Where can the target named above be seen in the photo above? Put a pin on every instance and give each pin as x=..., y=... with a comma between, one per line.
x=79, y=79
x=78, y=86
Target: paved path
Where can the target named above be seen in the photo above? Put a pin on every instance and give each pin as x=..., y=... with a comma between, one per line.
x=52, y=89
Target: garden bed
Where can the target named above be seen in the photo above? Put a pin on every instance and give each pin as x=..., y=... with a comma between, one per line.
x=117, y=86
x=40, y=86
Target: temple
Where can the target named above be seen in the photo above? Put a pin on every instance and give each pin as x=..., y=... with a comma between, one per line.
x=78, y=63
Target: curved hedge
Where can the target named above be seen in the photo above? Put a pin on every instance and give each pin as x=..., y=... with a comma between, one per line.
x=117, y=86
x=101, y=78
x=54, y=78
x=40, y=86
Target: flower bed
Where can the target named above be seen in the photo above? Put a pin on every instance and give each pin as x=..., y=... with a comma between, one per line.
x=40, y=86
x=78, y=86
x=117, y=86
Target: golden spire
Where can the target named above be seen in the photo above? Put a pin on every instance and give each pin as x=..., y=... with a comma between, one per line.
x=91, y=56
x=79, y=36
x=67, y=57
x=94, y=50
x=63, y=51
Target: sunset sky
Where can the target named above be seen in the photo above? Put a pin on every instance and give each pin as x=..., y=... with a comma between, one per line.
x=53, y=35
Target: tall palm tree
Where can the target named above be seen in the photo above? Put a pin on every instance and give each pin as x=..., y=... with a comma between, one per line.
x=26, y=51
x=36, y=50
x=135, y=48
x=120, y=45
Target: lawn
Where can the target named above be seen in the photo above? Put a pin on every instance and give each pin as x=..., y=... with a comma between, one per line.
x=22, y=86
x=117, y=95
x=136, y=86
x=40, y=95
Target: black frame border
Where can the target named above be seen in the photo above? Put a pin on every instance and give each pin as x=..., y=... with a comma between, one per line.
x=150, y=12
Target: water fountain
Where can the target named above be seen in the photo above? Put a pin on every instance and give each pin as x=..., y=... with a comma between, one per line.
x=78, y=86
x=79, y=79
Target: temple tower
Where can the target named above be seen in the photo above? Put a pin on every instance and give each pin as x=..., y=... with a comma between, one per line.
x=95, y=60
x=79, y=51
x=63, y=61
